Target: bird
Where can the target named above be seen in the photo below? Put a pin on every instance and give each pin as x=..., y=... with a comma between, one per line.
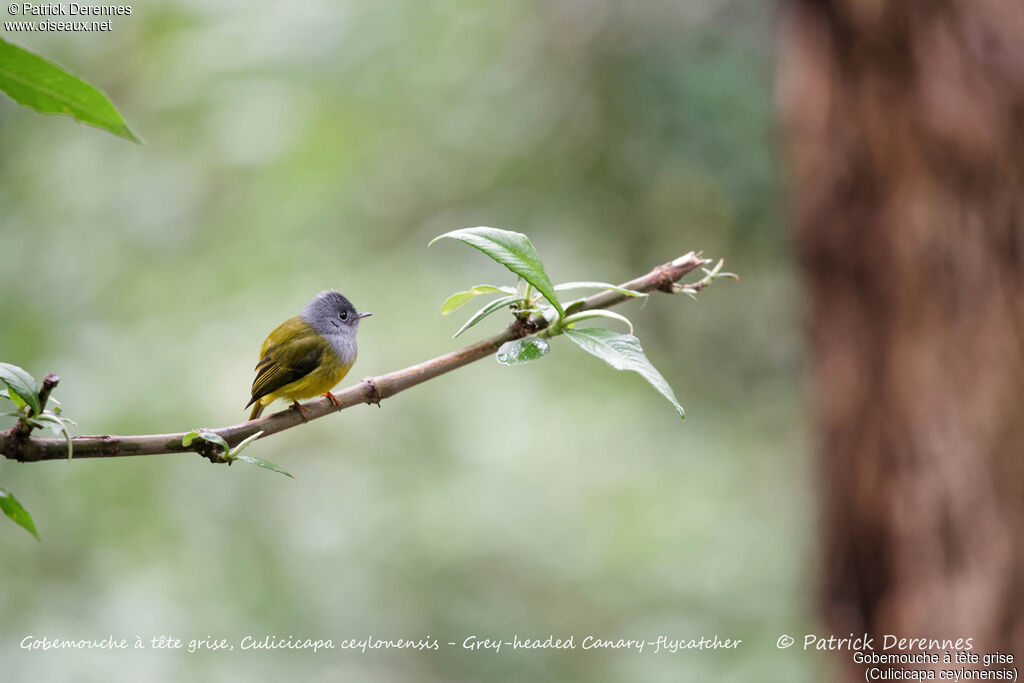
x=308, y=354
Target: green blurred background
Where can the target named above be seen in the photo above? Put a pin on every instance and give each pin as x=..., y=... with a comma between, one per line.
x=296, y=147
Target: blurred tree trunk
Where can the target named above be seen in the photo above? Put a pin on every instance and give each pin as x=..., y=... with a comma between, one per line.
x=905, y=131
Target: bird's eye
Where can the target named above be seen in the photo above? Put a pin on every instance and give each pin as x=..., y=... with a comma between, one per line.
x=344, y=315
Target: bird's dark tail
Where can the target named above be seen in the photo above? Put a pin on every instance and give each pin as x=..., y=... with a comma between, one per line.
x=257, y=410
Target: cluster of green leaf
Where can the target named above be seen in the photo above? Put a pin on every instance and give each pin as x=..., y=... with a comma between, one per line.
x=24, y=392
x=34, y=82
x=229, y=454
x=536, y=295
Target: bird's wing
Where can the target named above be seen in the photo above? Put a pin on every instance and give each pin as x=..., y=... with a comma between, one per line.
x=285, y=362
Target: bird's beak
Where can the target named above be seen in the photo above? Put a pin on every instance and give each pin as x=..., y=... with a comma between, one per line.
x=363, y=315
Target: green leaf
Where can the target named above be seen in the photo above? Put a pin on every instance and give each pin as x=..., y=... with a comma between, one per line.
x=512, y=250
x=495, y=305
x=60, y=425
x=597, y=313
x=208, y=436
x=597, y=285
x=18, y=403
x=459, y=298
x=265, y=464
x=22, y=384
x=520, y=351
x=34, y=82
x=242, y=445
x=231, y=453
x=12, y=508
x=623, y=352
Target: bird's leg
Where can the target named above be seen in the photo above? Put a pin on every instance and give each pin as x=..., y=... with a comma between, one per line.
x=333, y=399
x=302, y=411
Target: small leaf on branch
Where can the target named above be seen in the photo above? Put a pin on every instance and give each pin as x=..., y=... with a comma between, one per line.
x=493, y=306
x=17, y=400
x=459, y=298
x=22, y=384
x=512, y=250
x=691, y=289
x=231, y=454
x=242, y=445
x=265, y=464
x=59, y=425
x=520, y=351
x=208, y=436
x=623, y=352
x=19, y=515
x=597, y=313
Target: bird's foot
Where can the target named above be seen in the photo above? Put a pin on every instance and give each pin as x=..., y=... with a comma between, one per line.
x=333, y=399
x=301, y=410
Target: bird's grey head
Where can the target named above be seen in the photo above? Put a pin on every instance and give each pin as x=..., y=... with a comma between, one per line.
x=330, y=313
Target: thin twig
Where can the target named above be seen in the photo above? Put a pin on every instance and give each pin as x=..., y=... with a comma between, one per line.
x=49, y=382
x=24, y=427
x=370, y=390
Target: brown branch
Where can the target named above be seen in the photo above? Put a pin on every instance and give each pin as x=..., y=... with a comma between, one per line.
x=370, y=390
x=49, y=382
